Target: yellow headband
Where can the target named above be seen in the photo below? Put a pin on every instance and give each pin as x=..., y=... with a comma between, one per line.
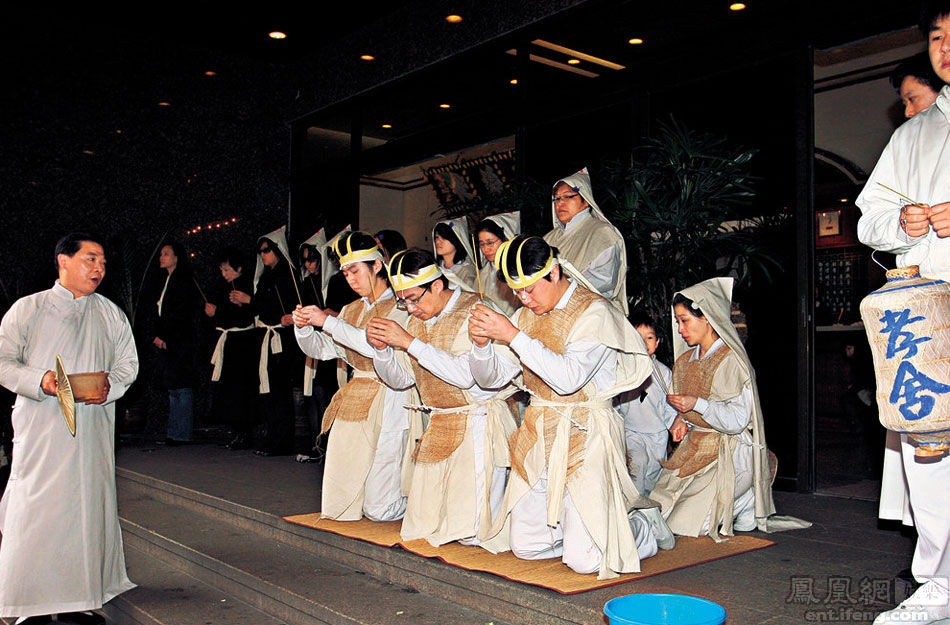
x=521, y=281
x=401, y=281
x=352, y=256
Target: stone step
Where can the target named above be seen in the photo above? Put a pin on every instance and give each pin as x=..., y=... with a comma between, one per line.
x=287, y=583
x=168, y=596
x=489, y=594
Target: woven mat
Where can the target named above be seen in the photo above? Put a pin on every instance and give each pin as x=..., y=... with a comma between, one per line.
x=550, y=573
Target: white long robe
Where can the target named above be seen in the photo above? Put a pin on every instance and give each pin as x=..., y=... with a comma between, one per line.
x=457, y=497
x=363, y=468
x=588, y=525
x=915, y=163
x=62, y=545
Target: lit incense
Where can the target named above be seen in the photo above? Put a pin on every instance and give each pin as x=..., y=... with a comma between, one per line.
x=899, y=193
x=478, y=274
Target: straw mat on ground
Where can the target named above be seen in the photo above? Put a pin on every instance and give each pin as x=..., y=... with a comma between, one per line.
x=549, y=573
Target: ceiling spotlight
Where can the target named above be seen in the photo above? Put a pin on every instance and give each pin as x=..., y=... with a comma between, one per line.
x=89, y=152
x=233, y=219
x=736, y=6
x=277, y=35
x=573, y=61
x=513, y=81
x=445, y=106
x=453, y=19
x=210, y=73
x=368, y=57
x=636, y=41
x=164, y=103
x=387, y=126
x=844, y=200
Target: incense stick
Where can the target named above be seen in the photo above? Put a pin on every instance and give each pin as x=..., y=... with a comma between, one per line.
x=478, y=274
x=293, y=278
x=899, y=193
x=198, y=286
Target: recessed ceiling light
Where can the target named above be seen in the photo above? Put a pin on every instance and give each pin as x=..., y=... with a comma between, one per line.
x=453, y=19
x=635, y=41
x=445, y=106
x=277, y=35
x=844, y=200
x=513, y=81
x=736, y=6
x=210, y=73
x=164, y=103
x=368, y=57
x=89, y=152
x=573, y=61
x=387, y=126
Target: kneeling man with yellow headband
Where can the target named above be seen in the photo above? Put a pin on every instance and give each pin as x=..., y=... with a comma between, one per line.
x=459, y=461
x=569, y=493
x=363, y=469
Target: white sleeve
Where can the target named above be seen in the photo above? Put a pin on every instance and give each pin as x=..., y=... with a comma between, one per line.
x=667, y=412
x=453, y=369
x=317, y=344
x=731, y=415
x=125, y=366
x=604, y=270
x=14, y=374
x=348, y=336
x=566, y=373
x=491, y=370
x=390, y=371
x=879, y=225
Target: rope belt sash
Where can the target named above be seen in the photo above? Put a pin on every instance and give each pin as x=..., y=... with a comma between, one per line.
x=558, y=460
x=272, y=338
x=217, y=357
x=359, y=373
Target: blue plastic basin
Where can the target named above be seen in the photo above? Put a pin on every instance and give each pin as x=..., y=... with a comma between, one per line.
x=655, y=608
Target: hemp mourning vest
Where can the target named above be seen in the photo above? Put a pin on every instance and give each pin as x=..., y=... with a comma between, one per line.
x=695, y=377
x=353, y=401
x=446, y=430
x=552, y=329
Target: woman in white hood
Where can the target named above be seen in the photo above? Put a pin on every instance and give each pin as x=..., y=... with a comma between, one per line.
x=586, y=238
x=718, y=478
x=490, y=233
x=453, y=250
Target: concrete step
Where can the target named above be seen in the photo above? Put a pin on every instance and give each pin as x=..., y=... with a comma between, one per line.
x=502, y=599
x=166, y=595
x=289, y=584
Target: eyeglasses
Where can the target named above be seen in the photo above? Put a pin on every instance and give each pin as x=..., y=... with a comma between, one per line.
x=525, y=292
x=404, y=304
x=265, y=250
x=564, y=198
x=484, y=244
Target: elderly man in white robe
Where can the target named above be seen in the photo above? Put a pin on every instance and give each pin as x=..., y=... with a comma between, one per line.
x=915, y=163
x=62, y=546
x=459, y=462
x=569, y=493
x=586, y=238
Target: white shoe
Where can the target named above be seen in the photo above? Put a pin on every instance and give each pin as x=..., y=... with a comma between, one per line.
x=664, y=537
x=927, y=606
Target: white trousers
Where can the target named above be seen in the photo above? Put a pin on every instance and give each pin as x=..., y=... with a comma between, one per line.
x=929, y=485
x=497, y=492
x=645, y=450
x=533, y=539
x=382, y=495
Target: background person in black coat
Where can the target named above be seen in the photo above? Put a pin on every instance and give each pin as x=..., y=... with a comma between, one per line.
x=174, y=331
